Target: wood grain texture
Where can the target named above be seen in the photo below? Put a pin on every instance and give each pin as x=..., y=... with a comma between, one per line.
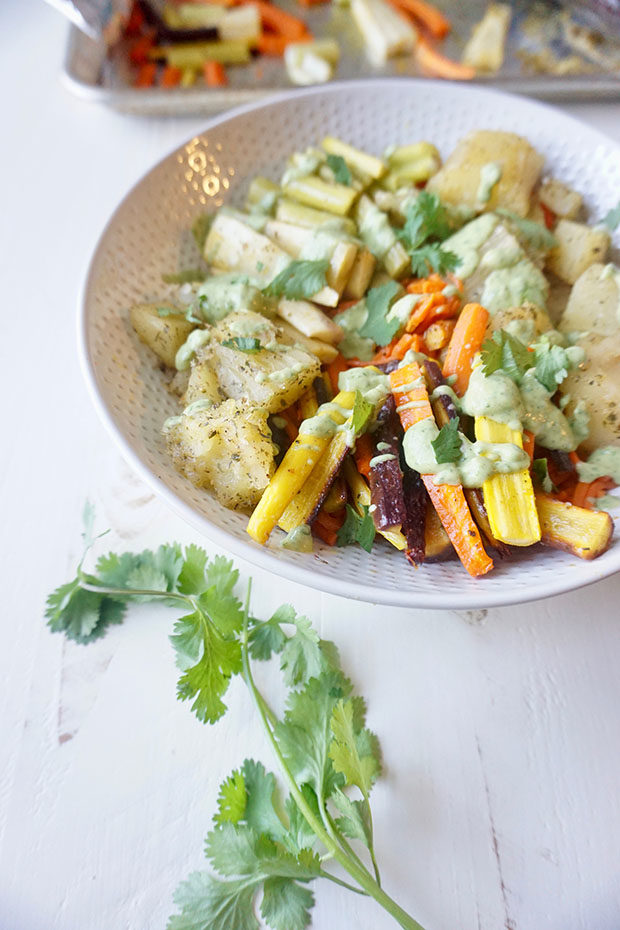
x=499, y=807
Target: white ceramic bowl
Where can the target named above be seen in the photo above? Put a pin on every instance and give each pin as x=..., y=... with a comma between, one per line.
x=148, y=235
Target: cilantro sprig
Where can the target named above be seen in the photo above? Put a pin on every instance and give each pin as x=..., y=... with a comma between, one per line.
x=427, y=224
x=342, y=174
x=377, y=325
x=506, y=353
x=357, y=529
x=300, y=279
x=447, y=445
x=261, y=845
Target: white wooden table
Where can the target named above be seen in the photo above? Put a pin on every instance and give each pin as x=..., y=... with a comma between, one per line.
x=500, y=730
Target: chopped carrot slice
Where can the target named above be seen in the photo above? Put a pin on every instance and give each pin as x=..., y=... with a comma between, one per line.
x=146, y=75
x=433, y=62
x=549, y=216
x=215, y=74
x=363, y=454
x=466, y=340
x=437, y=335
x=326, y=526
x=170, y=76
x=281, y=22
x=427, y=15
x=586, y=492
x=139, y=50
x=135, y=21
x=334, y=368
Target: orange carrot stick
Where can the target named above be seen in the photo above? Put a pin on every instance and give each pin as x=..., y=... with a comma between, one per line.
x=586, y=492
x=448, y=499
x=433, y=62
x=467, y=339
x=326, y=526
x=215, y=74
x=146, y=75
x=281, y=22
x=528, y=443
x=364, y=451
x=438, y=334
x=334, y=368
x=429, y=16
x=170, y=76
x=270, y=44
x=139, y=50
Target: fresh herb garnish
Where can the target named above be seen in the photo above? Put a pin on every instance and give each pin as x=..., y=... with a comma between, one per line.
x=200, y=229
x=189, y=276
x=243, y=343
x=535, y=234
x=540, y=472
x=427, y=224
x=299, y=280
x=377, y=326
x=612, y=219
x=338, y=165
x=552, y=365
x=507, y=353
x=432, y=257
x=447, y=446
x=258, y=844
x=361, y=414
x=357, y=529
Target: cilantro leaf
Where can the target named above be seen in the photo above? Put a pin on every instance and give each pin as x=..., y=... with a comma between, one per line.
x=354, y=822
x=356, y=529
x=301, y=656
x=553, y=362
x=338, y=165
x=205, y=902
x=447, y=446
x=432, y=257
x=612, y=219
x=300, y=834
x=286, y=905
x=354, y=750
x=192, y=578
x=378, y=300
x=535, y=234
x=300, y=279
x=260, y=807
x=188, y=276
x=362, y=412
x=507, y=353
x=231, y=800
x=540, y=471
x=243, y=343
x=208, y=661
x=305, y=732
x=426, y=218
x=82, y=616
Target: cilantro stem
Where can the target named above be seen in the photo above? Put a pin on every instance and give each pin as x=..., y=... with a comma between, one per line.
x=339, y=881
x=359, y=874
x=129, y=592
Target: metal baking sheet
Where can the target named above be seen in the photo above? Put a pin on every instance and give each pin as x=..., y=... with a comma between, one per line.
x=93, y=75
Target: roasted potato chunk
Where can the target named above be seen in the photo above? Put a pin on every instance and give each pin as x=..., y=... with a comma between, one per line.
x=273, y=377
x=162, y=327
x=597, y=384
x=227, y=449
x=458, y=180
x=578, y=247
x=560, y=199
x=593, y=304
x=203, y=383
x=527, y=320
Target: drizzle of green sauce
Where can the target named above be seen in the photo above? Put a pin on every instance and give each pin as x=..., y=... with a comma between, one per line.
x=196, y=339
x=602, y=463
x=490, y=175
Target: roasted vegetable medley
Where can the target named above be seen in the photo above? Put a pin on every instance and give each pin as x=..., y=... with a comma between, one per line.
x=399, y=350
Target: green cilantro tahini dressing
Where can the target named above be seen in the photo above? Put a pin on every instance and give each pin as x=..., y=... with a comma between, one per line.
x=196, y=339
x=282, y=374
x=375, y=230
x=490, y=175
x=543, y=418
x=524, y=330
x=467, y=242
x=602, y=463
x=495, y=396
x=479, y=460
x=501, y=256
x=372, y=384
x=299, y=539
x=444, y=390
x=513, y=286
x=351, y=321
x=322, y=424
x=385, y=457
x=320, y=246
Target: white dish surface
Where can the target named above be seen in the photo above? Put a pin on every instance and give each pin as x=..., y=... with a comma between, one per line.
x=149, y=234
